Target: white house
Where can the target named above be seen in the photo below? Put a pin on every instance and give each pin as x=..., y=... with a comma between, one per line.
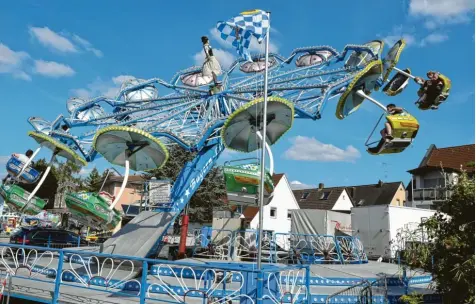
x=276, y=216
x=335, y=198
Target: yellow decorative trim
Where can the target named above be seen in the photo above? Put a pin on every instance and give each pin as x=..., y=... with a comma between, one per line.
x=250, y=104
x=395, y=60
x=350, y=87
x=59, y=145
x=137, y=131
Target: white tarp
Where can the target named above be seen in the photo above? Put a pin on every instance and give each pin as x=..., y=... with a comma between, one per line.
x=313, y=221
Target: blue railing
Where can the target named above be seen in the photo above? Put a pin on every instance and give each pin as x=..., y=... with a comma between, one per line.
x=64, y=273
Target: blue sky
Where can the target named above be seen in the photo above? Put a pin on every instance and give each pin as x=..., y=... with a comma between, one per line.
x=49, y=53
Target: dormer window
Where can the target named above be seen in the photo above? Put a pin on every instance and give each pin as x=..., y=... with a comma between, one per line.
x=304, y=195
x=325, y=195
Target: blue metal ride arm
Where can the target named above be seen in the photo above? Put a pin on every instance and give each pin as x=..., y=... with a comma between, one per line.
x=190, y=179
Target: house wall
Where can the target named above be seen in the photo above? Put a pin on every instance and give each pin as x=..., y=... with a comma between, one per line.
x=283, y=200
x=130, y=195
x=452, y=178
x=399, y=199
x=343, y=203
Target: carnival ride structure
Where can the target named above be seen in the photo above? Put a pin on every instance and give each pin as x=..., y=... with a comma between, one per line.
x=202, y=113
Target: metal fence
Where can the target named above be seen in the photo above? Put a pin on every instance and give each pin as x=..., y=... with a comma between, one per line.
x=72, y=276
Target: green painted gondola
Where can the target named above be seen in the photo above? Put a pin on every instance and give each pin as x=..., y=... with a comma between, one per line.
x=92, y=209
x=242, y=184
x=16, y=197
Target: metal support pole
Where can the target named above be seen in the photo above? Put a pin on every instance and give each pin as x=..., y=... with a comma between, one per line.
x=270, y=154
x=123, y=186
x=29, y=161
x=143, y=282
x=263, y=152
x=58, y=278
x=9, y=288
x=374, y=101
x=183, y=234
x=404, y=73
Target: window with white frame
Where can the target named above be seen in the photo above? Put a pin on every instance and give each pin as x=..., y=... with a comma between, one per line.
x=273, y=212
x=289, y=215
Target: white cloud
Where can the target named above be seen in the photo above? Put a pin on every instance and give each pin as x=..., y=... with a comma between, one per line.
x=310, y=149
x=87, y=46
x=297, y=185
x=441, y=8
x=225, y=58
x=433, y=39
x=52, y=40
x=61, y=42
x=53, y=69
x=119, y=80
x=441, y=12
x=12, y=62
x=100, y=87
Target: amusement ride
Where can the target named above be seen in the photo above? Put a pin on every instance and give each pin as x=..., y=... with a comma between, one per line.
x=205, y=109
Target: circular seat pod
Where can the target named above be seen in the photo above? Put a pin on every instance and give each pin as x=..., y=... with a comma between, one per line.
x=257, y=66
x=365, y=80
x=119, y=143
x=361, y=58
x=147, y=92
x=391, y=59
x=313, y=58
x=93, y=111
x=397, y=84
x=240, y=129
x=196, y=79
x=58, y=148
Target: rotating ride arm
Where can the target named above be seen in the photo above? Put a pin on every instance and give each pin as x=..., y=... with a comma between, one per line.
x=188, y=181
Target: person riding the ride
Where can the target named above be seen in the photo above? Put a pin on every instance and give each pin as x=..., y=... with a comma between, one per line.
x=21, y=157
x=387, y=131
x=430, y=90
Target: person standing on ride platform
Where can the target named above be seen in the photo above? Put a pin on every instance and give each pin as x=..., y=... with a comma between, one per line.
x=211, y=66
x=387, y=131
x=21, y=157
x=430, y=89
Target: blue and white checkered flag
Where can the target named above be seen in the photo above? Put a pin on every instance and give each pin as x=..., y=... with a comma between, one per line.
x=239, y=30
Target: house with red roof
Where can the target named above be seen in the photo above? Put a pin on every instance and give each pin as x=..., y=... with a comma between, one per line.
x=438, y=170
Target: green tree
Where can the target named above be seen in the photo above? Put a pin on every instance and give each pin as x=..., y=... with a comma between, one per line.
x=93, y=181
x=208, y=195
x=450, y=255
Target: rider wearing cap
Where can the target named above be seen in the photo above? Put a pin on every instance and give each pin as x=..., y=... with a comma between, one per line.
x=430, y=89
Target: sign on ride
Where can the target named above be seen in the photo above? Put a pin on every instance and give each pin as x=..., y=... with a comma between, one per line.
x=159, y=192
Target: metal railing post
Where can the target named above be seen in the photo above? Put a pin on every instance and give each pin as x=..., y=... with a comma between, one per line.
x=143, y=282
x=308, y=284
x=79, y=241
x=59, y=274
x=49, y=240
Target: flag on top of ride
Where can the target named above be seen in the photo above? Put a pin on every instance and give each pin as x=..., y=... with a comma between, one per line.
x=240, y=29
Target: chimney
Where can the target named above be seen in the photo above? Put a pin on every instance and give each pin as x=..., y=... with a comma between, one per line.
x=321, y=186
x=352, y=191
x=380, y=183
